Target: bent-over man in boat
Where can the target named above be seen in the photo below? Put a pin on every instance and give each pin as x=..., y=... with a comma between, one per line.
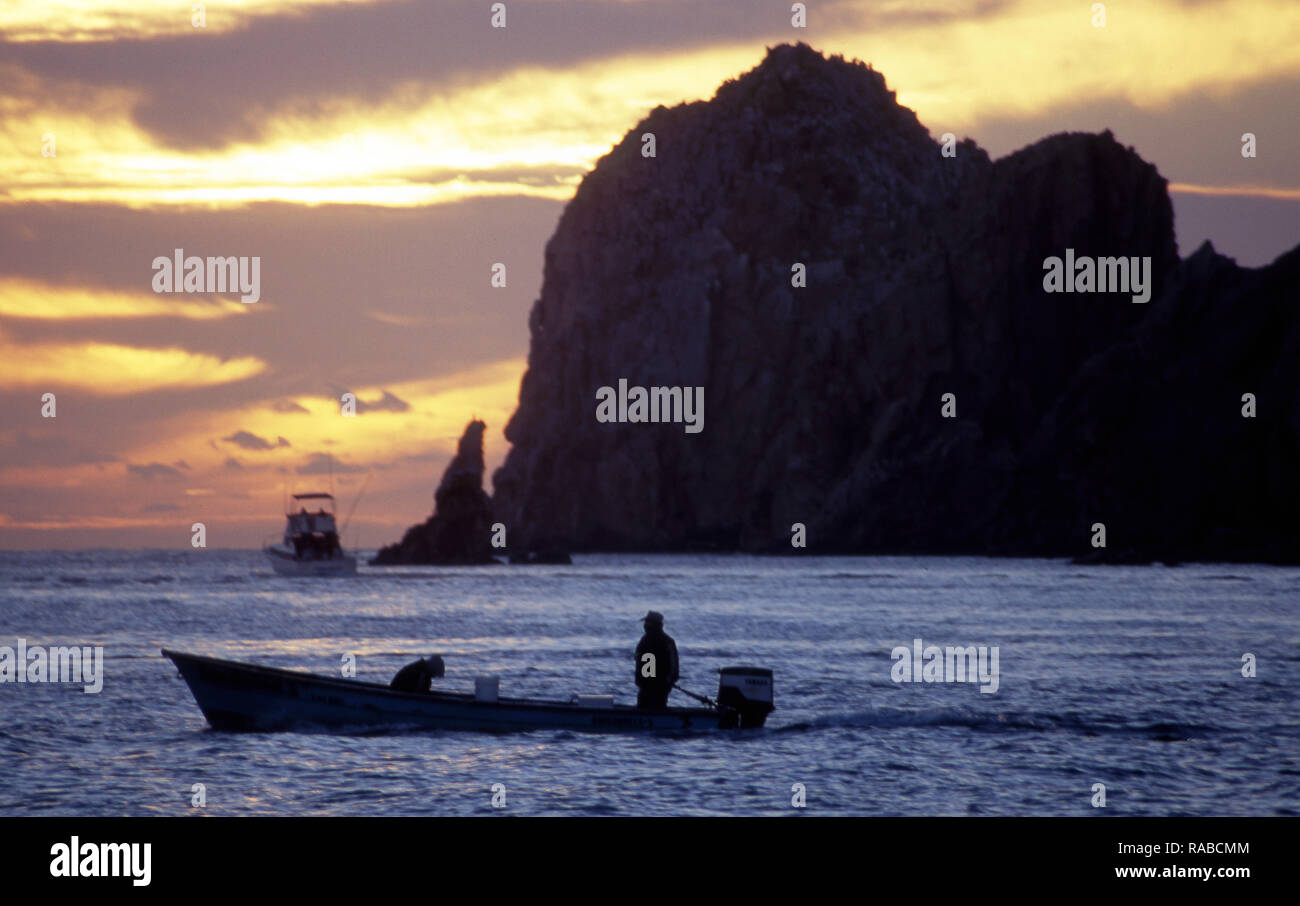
x=418, y=676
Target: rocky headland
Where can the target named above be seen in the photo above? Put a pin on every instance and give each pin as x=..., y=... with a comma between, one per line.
x=924, y=276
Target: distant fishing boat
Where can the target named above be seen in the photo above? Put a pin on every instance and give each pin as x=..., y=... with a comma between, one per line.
x=247, y=697
x=310, y=546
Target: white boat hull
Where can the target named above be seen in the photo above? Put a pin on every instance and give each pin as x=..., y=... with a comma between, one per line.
x=285, y=563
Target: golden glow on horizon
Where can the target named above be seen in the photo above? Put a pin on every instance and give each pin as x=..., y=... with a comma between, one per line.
x=439, y=410
x=89, y=520
x=372, y=441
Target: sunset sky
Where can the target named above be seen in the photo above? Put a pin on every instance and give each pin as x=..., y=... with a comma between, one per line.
x=380, y=156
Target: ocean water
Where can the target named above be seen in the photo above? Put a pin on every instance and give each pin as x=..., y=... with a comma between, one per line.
x=1125, y=676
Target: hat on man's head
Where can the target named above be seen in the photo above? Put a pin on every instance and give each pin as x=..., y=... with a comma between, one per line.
x=653, y=618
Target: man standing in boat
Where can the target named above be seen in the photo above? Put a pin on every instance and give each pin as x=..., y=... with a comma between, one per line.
x=656, y=663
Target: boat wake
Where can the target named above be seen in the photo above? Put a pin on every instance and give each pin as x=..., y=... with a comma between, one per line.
x=1003, y=721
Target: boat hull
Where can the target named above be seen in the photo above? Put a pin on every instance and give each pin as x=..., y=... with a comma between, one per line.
x=246, y=697
x=286, y=564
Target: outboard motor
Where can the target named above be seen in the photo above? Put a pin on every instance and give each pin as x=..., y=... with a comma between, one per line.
x=746, y=693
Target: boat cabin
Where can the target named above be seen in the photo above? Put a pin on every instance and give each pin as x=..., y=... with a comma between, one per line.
x=310, y=527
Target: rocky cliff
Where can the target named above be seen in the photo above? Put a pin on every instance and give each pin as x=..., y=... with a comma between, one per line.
x=924, y=277
x=459, y=531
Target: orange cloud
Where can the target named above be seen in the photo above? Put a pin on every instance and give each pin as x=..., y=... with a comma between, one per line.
x=106, y=369
x=1243, y=191
x=20, y=298
x=99, y=20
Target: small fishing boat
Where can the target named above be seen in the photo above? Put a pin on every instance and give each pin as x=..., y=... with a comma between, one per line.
x=246, y=697
x=310, y=546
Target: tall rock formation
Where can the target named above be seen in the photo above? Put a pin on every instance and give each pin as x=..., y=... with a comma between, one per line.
x=459, y=531
x=924, y=277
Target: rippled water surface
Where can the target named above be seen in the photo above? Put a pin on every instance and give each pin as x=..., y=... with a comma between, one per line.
x=1127, y=676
